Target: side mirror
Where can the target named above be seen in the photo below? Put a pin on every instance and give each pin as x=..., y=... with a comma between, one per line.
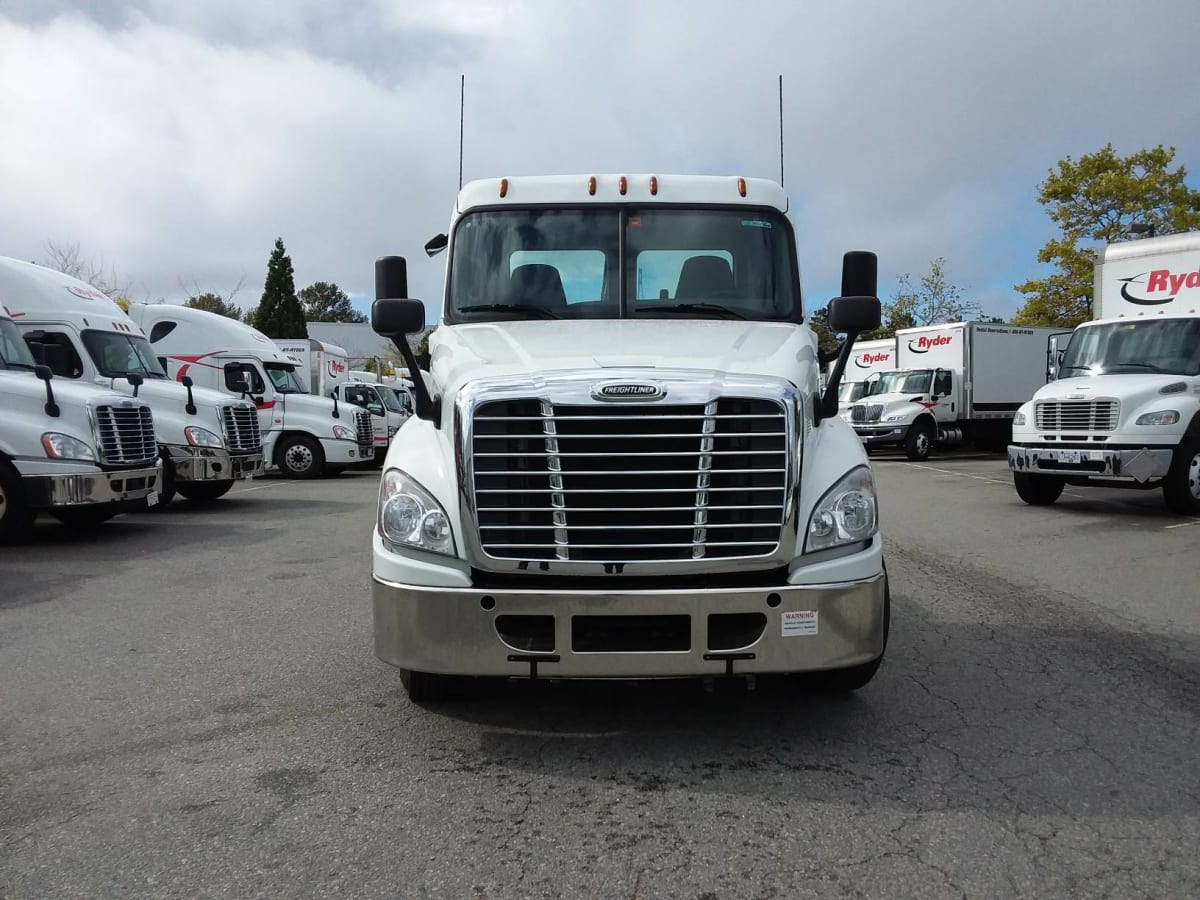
x=855, y=314
x=396, y=318
x=856, y=311
x=43, y=372
x=187, y=382
x=436, y=244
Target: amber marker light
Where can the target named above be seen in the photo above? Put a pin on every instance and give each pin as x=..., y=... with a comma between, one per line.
x=503, y=187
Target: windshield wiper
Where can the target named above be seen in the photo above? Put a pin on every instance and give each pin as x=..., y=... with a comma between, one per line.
x=692, y=308
x=539, y=311
x=1138, y=365
x=16, y=365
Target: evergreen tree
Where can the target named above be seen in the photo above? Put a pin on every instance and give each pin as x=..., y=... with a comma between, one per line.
x=279, y=314
x=215, y=303
x=325, y=302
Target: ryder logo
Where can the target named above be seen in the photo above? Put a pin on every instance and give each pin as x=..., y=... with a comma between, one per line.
x=924, y=344
x=336, y=368
x=866, y=360
x=1159, y=281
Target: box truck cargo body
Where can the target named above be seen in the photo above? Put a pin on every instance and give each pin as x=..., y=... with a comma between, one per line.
x=1124, y=410
x=868, y=361
x=953, y=383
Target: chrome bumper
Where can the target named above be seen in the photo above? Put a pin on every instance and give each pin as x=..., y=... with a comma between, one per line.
x=1137, y=464
x=84, y=489
x=211, y=464
x=454, y=630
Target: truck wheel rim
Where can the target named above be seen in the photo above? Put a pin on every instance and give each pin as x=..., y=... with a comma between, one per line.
x=3, y=504
x=1193, y=477
x=299, y=458
x=923, y=442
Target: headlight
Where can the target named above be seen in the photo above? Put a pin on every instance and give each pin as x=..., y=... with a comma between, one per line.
x=201, y=437
x=1019, y=419
x=410, y=517
x=1162, y=417
x=342, y=433
x=63, y=446
x=847, y=514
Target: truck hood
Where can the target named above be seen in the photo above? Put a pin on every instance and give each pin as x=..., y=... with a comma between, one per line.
x=163, y=390
x=888, y=401
x=66, y=392
x=469, y=352
x=1137, y=393
x=312, y=405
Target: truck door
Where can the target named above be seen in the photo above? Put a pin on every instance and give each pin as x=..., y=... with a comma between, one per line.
x=243, y=377
x=946, y=403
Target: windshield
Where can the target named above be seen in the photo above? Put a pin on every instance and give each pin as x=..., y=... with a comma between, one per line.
x=565, y=263
x=283, y=376
x=117, y=354
x=1170, y=346
x=14, y=352
x=912, y=382
x=389, y=400
x=403, y=399
x=849, y=391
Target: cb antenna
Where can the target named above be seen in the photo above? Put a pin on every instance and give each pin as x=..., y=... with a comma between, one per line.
x=462, y=97
x=781, y=131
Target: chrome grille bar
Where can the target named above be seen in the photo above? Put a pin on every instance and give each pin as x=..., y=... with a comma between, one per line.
x=1077, y=415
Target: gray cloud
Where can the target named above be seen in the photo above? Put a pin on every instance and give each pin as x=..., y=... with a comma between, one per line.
x=179, y=140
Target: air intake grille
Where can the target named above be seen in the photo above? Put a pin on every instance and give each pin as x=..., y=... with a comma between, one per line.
x=1077, y=415
x=630, y=482
x=864, y=412
x=126, y=434
x=242, y=433
x=362, y=427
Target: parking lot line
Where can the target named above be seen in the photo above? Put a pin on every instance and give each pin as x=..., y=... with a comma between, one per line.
x=961, y=474
x=1183, y=524
x=263, y=487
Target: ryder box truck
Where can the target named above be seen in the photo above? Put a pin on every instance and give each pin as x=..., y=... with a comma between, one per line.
x=1125, y=408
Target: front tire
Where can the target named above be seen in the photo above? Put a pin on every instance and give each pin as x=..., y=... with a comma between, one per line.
x=1181, y=488
x=15, y=516
x=299, y=456
x=1038, y=490
x=427, y=687
x=204, y=491
x=918, y=443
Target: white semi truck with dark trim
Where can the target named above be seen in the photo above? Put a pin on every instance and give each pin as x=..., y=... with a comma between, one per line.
x=621, y=463
x=1124, y=410
x=75, y=451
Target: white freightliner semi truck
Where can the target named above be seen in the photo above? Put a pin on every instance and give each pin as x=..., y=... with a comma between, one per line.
x=621, y=465
x=75, y=451
x=207, y=440
x=1125, y=408
x=868, y=362
x=303, y=436
x=953, y=383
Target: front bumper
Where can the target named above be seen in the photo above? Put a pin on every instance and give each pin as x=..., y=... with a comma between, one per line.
x=881, y=434
x=1140, y=465
x=212, y=464
x=453, y=630
x=339, y=453
x=91, y=488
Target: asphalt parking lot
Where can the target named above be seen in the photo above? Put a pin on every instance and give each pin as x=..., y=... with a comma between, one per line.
x=190, y=707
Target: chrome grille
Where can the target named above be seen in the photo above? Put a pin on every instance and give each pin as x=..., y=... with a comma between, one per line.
x=866, y=412
x=629, y=482
x=125, y=434
x=362, y=427
x=242, y=434
x=1077, y=415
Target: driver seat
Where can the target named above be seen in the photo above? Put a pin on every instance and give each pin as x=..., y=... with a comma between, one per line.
x=703, y=278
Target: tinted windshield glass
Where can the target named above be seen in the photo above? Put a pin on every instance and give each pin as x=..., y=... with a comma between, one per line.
x=14, y=352
x=565, y=263
x=284, y=378
x=117, y=354
x=390, y=401
x=849, y=391
x=1163, y=346
x=914, y=382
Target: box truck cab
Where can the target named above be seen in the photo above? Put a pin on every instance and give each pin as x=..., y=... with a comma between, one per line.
x=869, y=360
x=1124, y=410
x=622, y=466
x=207, y=440
x=389, y=404
x=953, y=383
x=303, y=435
x=73, y=450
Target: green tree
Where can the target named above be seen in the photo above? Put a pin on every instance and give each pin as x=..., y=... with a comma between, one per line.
x=279, y=313
x=325, y=302
x=827, y=341
x=1098, y=198
x=931, y=301
x=215, y=303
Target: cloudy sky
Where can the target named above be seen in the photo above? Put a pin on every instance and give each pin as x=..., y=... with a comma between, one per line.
x=175, y=141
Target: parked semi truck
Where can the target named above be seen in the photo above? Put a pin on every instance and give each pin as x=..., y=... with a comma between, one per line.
x=622, y=466
x=73, y=450
x=1124, y=410
x=953, y=383
x=207, y=441
x=303, y=436
x=868, y=362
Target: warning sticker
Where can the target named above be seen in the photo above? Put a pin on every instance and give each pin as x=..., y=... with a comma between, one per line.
x=799, y=623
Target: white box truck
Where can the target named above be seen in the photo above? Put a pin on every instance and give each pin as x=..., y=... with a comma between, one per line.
x=321, y=366
x=622, y=466
x=958, y=382
x=75, y=451
x=207, y=440
x=303, y=435
x=868, y=362
x=1125, y=408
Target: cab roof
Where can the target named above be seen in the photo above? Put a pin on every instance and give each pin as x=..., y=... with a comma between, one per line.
x=27, y=288
x=643, y=190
